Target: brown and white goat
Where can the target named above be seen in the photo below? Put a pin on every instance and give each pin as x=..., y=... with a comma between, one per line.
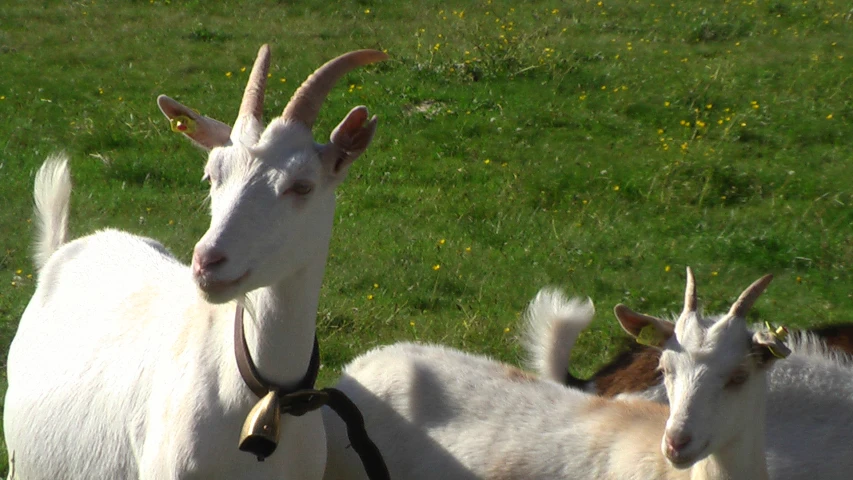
x=436, y=412
x=809, y=396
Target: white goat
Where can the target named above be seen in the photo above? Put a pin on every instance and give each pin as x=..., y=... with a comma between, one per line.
x=810, y=393
x=440, y=413
x=123, y=365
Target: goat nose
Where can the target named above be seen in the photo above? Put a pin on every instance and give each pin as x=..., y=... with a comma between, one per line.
x=205, y=259
x=676, y=443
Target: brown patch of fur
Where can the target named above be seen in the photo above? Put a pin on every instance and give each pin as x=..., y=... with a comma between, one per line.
x=518, y=375
x=626, y=429
x=632, y=371
x=839, y=337
x=625, y=409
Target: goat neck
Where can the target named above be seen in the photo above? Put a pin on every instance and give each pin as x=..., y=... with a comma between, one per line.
x=281, y=326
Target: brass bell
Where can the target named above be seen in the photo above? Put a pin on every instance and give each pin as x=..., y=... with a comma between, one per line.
x=261, y=429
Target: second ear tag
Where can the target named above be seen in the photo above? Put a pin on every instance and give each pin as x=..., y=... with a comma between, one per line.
x=182, y=124
x=650, y=336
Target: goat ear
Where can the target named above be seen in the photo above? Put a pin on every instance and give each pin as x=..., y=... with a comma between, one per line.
x=350, y=139
x=768, y=347
x=648, y=330
x=203, y=131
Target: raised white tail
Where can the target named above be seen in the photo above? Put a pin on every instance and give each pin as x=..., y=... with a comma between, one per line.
x=552, y=325
x=52, y=197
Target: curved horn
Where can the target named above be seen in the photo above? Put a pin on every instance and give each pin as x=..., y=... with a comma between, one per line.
x=253, y=96
x=306, y=101
x=749, y=296
x=690, y=293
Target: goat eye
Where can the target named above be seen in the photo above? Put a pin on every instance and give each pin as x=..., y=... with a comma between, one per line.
x=737, y=378
x=300, y=188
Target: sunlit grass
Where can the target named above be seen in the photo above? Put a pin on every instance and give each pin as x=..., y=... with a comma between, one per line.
x=600, y=146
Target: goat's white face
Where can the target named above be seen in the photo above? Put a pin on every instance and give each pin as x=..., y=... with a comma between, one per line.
x=271, y=194
x=272, y=207
x=713, y=370
x=710, y=377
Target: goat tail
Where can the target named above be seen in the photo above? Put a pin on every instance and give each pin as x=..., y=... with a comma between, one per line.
x=552, y=325
x=52, y=195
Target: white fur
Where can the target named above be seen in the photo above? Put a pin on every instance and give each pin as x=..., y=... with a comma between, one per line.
x=440, y=413
x=548, y=357
x=123, y=364
x=809, y=401
x=51, y=195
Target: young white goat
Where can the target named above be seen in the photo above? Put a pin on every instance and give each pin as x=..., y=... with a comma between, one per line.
x=123, y=365
x=809, y=394
x=440, y=413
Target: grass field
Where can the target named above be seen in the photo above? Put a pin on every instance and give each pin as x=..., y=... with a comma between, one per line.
x=600, y=146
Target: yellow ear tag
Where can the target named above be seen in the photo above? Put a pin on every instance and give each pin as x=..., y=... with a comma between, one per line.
x=182, y=124
x=780, y=333
x=650, y=336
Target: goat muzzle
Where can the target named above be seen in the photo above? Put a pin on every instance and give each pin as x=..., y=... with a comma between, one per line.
x=262, y=427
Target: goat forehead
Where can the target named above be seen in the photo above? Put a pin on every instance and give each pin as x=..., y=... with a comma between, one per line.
x=253, y=167
x=730, y=337
x=693, y=365
x=292, y=163
x=691, y=331
x=712, y=342
x=289, y=160
x=285, y=140
x=696, y=332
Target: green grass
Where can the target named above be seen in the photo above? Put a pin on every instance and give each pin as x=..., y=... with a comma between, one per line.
x=597, y=146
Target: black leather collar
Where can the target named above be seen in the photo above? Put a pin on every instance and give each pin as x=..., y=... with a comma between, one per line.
x=253, y=379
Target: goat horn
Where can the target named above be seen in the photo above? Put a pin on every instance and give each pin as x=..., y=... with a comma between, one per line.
x=690, y=293
x=253, y=96
x=749, y=296
x=306, y=101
